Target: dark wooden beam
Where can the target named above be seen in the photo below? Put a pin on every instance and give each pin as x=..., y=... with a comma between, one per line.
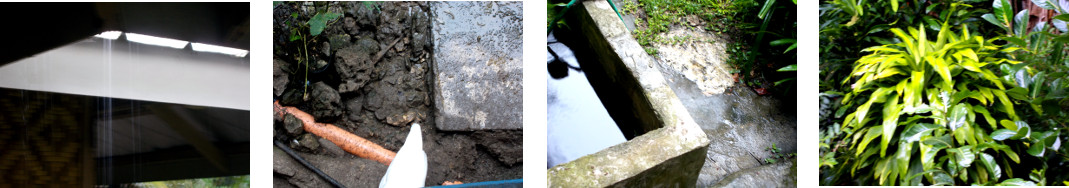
x=183, y=162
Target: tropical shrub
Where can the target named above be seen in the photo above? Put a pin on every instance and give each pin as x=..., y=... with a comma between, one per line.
x=935, y=112
x=848, y=26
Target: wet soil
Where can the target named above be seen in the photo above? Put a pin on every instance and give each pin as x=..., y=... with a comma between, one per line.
x=369, y=73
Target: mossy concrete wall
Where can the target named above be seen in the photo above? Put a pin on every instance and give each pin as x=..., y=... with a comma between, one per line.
x=672, y=150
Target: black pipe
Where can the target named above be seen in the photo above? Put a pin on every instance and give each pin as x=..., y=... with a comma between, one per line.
x=306, y=164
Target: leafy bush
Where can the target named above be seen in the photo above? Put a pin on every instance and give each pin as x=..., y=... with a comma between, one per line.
x=939, y=112
x=848, y=26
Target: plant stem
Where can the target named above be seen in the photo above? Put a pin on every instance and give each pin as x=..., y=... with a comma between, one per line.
x=306, y=64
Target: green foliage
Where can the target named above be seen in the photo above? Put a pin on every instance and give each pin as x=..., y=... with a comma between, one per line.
x=776, y=155
x=925, y=108
x=848, y=26
x=315, y=26
x=554, y=13
x=988, y=112
x=661, y=14
x=319, y=22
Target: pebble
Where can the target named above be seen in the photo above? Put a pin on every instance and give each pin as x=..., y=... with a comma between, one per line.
x=309, y=141
x=293, y=125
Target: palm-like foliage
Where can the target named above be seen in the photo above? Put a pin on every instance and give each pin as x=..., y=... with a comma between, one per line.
x=930, y=112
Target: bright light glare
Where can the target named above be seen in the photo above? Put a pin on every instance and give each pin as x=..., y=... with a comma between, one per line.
x=219, y=49
x=158, y=41
x=110, y=35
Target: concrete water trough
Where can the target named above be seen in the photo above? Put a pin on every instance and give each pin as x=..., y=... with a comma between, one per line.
x=665, y=147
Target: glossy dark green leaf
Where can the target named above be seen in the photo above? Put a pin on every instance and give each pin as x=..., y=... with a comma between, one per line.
x=992, y=167
x=1020, y=23
x=842, y=110
x=1023, y=130
x=964, y=155
x=914, y=132
x=1003, y=134
x=1048, y=4
x=873, y=132
x=765, y=9
x=941, y=178
x=1003, y=11
x=781, y=42
x=1017, y=182
x=939, y=142
x=1062, y=17
x=1037, y=83
x=1037, y=149
x=1019, y=93
x=792, y=67
x=891, y=111
x=990, y=18
x=958, y=116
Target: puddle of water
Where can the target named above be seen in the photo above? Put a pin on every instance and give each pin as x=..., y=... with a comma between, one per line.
x=578, y=122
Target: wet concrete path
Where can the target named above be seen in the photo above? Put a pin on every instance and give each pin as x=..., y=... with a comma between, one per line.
x=741, y=126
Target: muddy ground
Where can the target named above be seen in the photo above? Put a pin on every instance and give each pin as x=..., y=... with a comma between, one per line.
x=349, y=84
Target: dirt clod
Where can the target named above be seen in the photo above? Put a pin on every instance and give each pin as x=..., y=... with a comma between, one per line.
x=294, y=126
x=326, y=106
x=309, y=141
x=508, y=151
x=354, y=65
x=281, y=78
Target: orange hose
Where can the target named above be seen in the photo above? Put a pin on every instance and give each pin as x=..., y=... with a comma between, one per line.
x=349, y=142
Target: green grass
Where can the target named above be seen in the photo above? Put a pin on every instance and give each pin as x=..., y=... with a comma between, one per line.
x=661, y=14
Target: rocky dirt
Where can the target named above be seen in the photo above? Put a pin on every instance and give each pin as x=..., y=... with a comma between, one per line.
x=369, y=73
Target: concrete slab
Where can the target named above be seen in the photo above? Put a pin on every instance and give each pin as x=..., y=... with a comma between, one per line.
x=671, y=153
x=478, y=65
x=772, y=175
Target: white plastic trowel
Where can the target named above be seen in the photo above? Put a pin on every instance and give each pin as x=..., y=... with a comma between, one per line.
x=409, y=166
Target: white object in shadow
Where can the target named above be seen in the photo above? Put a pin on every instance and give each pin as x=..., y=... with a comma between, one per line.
x=409, y=167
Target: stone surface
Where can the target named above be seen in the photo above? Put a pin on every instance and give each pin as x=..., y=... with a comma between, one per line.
x=772, y=175
x=701, y=57
x=326, y=103
x=740, y=124
x=308, y=141
x=478, y=65
x=293, y=125
x=355, y=104
x=671, y=154
x=281, y=78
